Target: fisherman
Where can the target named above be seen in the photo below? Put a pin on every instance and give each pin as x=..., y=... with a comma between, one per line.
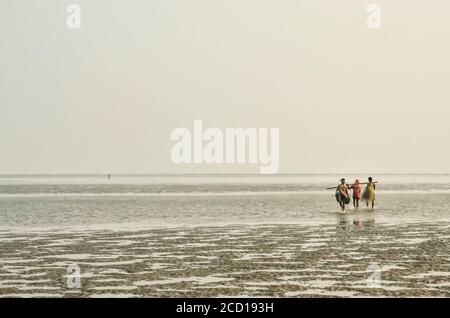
x=369, y=193
x=356, y=187
x=342, y=194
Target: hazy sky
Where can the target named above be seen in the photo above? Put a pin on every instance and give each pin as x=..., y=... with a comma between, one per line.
x=106, y=97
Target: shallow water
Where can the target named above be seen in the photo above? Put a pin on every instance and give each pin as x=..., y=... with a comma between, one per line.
x=39, y=202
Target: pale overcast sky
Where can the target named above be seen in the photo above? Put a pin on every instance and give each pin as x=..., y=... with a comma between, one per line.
x=106, y=97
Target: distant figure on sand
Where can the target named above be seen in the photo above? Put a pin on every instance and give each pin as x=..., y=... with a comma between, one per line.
x=369, y=193
x=356, y=194
x=342, y=195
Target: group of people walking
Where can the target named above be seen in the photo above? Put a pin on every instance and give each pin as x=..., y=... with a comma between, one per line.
x=343, y=193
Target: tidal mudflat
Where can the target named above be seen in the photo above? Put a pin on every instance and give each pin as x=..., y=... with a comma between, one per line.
x=412, y=259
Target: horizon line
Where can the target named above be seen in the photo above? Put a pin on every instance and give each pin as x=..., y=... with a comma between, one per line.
x=215, y=174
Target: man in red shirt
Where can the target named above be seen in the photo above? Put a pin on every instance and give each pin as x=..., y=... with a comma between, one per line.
x=356, y=194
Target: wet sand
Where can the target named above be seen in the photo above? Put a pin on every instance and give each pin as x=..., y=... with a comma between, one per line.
x=231, y=261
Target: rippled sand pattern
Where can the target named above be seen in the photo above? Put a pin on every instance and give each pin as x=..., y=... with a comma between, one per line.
x=245, y=261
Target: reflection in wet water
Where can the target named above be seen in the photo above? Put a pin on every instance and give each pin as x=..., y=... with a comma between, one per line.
x=349, y=223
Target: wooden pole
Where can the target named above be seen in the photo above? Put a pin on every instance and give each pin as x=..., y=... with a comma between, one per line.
x=351, y=184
